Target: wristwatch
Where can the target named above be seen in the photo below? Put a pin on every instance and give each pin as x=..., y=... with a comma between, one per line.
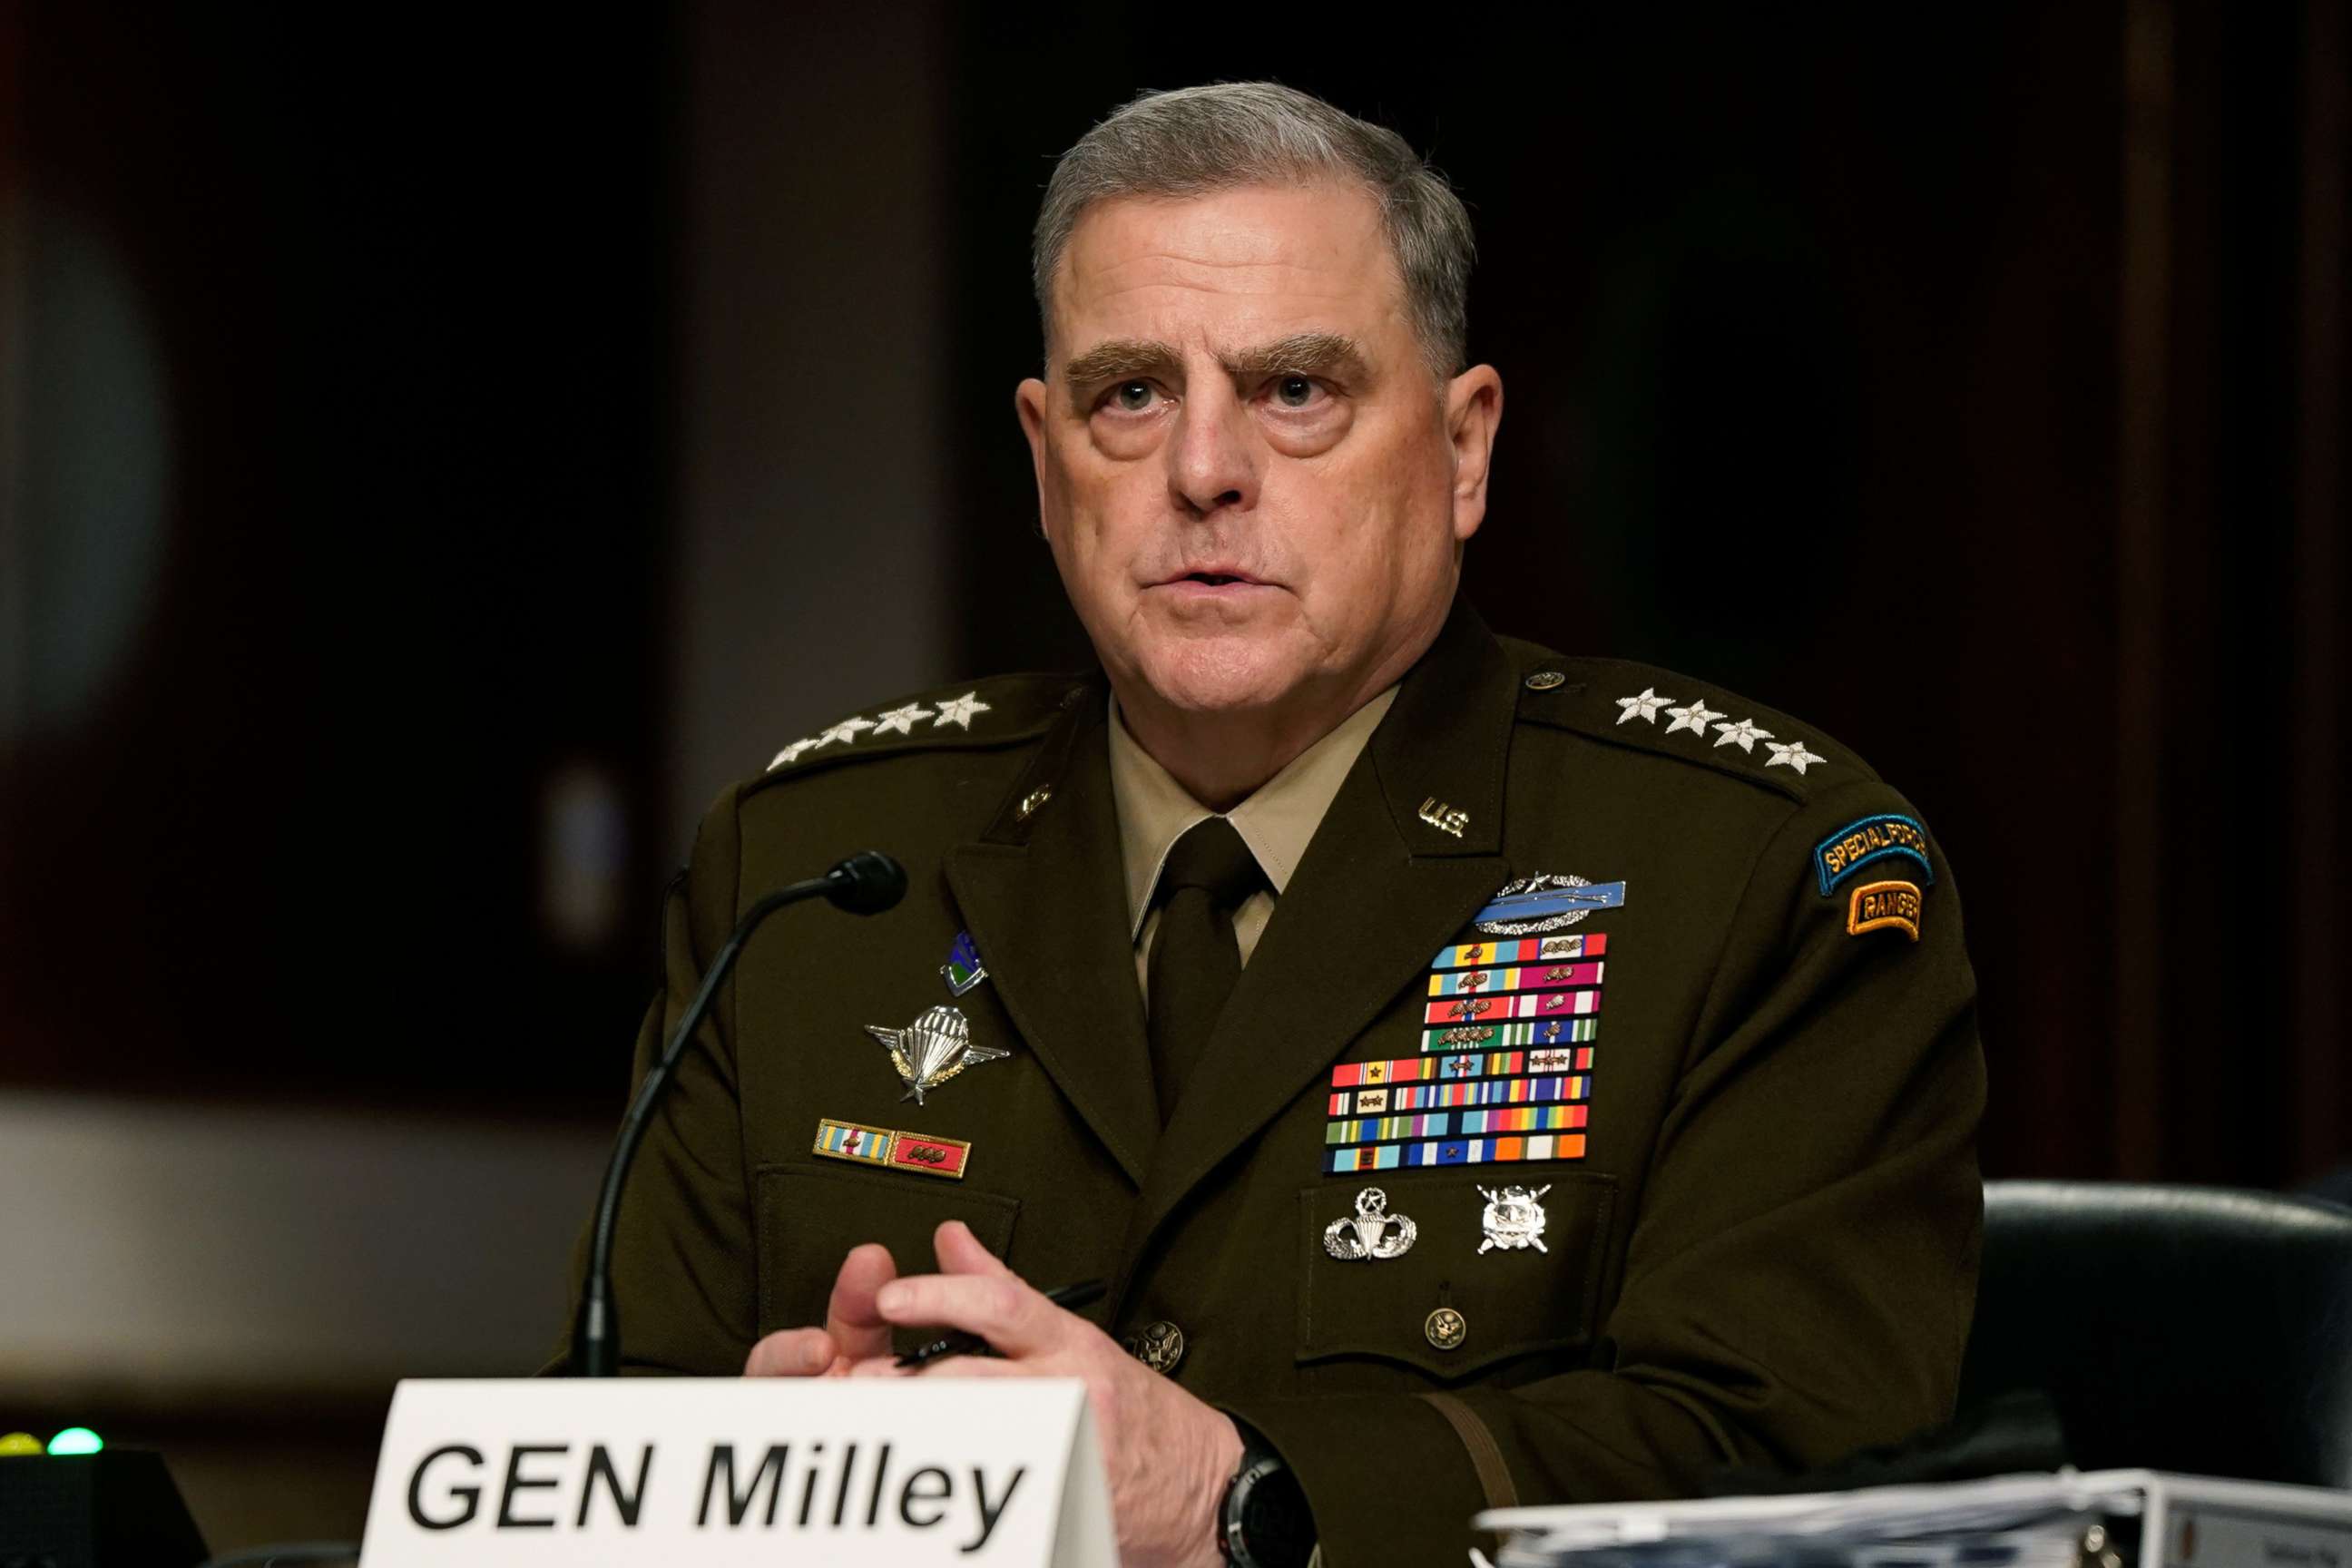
x=1265, y=1521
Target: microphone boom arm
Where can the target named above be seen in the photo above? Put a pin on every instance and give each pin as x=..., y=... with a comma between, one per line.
x=866, y=883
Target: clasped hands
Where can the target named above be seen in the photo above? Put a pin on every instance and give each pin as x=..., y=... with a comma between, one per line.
x=1167, y=1456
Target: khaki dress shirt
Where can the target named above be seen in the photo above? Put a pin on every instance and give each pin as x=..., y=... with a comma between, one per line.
x=1276, y=822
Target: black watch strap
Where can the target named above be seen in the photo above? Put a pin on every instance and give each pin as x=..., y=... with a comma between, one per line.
x=1265, y=1521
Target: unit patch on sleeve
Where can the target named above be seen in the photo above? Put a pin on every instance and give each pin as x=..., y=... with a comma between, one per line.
x=1884, y=906
x=1857, y=844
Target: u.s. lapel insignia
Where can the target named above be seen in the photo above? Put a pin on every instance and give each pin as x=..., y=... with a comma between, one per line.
x=932, y=1049
x=1443, y=817
x=1514, y=1217
x=1541, y=903
x=963, y=969
x=1372, y=1232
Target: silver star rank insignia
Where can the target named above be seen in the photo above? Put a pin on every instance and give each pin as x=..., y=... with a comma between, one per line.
x=932, y=1049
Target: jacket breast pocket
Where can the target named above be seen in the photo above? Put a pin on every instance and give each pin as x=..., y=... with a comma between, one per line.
x=1441, y=1306
x=810, y=1214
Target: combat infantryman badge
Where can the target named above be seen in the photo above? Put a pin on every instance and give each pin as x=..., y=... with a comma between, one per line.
x=1372, y=1232
x=932, y=1049
x=1540, y=903
x=1513, y=1218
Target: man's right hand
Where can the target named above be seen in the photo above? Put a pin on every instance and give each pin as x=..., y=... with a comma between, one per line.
x=852, y=1332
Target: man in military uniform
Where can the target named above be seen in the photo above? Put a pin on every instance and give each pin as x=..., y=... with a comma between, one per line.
x=1482, y=1075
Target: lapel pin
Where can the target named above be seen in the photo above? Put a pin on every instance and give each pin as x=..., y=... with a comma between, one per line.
x=1443, y=816
x=1513, y=1218
x=932, y=1049
x=1372, y=1232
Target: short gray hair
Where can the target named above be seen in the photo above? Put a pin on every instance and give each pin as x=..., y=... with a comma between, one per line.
x=1199, y=140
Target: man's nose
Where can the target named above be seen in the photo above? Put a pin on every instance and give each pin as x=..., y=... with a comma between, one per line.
x=1212, y=460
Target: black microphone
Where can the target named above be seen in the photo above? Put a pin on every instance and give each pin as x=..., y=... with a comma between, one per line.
x=866, y=884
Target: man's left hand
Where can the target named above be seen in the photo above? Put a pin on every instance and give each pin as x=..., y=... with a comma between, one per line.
x=1167, y=1455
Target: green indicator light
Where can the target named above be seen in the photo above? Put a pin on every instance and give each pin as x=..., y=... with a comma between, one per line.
x=75, y=1440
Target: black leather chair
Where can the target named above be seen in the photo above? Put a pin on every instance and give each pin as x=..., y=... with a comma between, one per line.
x=2179, y=1328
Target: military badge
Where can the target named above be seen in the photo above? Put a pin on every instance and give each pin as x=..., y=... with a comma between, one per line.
x=1514, y=1217
x=1505, y=1070
x=1372, y=1232
x=931, y=1156
x=1443, y=817
x=932, y=1049
x=1534, y=904
x=963, y=969
x=850, y=1140
x=1527, y=950
x=888, y=1146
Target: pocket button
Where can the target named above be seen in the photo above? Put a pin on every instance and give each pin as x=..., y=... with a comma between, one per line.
x=1447, y=1328
x=1159, y=1345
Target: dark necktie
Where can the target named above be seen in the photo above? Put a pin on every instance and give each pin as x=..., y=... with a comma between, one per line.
x=1195, y=960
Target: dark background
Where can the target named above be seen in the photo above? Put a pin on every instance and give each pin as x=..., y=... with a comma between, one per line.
x=1969, y=382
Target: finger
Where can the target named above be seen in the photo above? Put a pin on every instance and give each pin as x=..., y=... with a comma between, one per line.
x=961, y=1252
x=792, y=1352
x=949, y=1366
x=858, y=1329
x=999, y=1307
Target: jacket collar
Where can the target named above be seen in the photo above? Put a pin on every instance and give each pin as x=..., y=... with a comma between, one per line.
x=1414, y=835
x=1406, y=854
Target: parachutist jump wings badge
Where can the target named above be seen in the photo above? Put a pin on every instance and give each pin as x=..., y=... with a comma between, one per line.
x=932, y=1049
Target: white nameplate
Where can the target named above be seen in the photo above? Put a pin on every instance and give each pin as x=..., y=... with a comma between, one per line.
x=881, y=1473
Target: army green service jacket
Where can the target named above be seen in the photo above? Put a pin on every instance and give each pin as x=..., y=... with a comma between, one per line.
x=1759, y=1192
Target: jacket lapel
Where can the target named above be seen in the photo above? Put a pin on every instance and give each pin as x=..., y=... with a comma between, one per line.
x=1044, y=899
x=1379, y=891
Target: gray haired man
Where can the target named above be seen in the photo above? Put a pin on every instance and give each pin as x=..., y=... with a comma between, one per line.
x=1236, y=963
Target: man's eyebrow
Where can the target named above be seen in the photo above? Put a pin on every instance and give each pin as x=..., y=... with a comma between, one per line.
x=1122, y=358
x=1301, y=354
x=1332, y=355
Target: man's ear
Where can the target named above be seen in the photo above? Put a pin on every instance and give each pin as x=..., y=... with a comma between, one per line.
x=1029, y=403
x=1474, y=409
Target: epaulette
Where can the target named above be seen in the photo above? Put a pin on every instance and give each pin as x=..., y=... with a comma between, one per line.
x=1002, y=711
x=1651, y=709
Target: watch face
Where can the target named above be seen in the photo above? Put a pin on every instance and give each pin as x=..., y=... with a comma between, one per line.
x=1267, y=1524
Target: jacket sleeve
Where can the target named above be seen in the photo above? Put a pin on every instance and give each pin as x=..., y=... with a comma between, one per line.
x=683, y=1287
x=1802, y=1271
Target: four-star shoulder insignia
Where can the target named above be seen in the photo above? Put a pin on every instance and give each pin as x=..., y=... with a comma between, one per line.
x=1698, y=718
x=1655, y=710
x=1017, y=705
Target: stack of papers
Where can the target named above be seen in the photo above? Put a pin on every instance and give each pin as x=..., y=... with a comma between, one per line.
x=2009, y=1522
